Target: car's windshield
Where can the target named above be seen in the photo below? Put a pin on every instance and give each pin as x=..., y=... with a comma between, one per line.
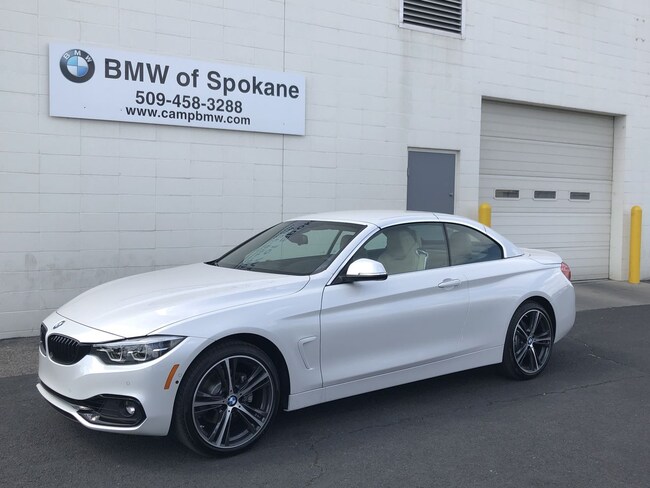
x=298, y=247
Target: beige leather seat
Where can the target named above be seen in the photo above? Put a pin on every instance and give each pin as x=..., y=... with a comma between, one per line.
x=402, y=253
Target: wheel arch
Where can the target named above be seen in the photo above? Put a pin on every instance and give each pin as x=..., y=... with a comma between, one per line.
x=269, y=348
x=544, y=302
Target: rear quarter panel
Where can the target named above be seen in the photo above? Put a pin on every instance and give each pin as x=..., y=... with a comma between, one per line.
x=497, y=288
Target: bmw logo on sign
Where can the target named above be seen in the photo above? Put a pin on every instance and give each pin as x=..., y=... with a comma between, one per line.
x=77, y=65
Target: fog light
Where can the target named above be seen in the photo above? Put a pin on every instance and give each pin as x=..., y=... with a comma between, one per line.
x=112, y=410
x=89, y=415
x=130, y=408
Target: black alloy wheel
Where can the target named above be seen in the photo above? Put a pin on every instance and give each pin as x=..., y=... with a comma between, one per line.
x=227, y=399
x=529, y=342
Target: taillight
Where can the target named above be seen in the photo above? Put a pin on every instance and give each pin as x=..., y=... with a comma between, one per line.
x=566, y=271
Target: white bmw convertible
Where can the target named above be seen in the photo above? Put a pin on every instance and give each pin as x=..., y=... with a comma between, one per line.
x=311, y=310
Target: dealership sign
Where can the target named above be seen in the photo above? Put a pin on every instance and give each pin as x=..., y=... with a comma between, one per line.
x=89, y=82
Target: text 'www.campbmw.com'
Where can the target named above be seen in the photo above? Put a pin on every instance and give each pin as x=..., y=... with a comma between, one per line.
x=189, y=117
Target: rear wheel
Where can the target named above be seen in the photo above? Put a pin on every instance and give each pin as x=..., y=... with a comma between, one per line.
x=529, y=342
x=227, y=400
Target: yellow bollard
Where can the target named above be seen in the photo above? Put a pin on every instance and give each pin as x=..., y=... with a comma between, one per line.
x=485, y=214
x=634, y=275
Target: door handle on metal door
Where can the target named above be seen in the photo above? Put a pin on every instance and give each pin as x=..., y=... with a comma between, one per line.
x=448, y=283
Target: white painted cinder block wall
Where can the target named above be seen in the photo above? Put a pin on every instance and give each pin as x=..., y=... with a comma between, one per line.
x=83, y=202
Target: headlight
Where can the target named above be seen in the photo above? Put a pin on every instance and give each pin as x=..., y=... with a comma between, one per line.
x=135, y=351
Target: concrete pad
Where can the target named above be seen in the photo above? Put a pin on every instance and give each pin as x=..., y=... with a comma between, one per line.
x=18, y=356
x=593, y=295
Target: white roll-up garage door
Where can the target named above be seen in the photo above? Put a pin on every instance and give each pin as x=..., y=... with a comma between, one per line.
x=548, y=175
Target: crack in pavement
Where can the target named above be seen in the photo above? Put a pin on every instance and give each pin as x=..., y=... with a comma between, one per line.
x=567, y=390
x=316, y=462
x=592, y=353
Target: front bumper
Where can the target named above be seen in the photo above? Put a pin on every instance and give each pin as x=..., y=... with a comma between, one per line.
x=107, y=410
x=73, y=389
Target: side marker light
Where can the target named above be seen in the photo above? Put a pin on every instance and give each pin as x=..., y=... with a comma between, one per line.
x=170, y=376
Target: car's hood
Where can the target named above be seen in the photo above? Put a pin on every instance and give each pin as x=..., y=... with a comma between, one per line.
x=138, y=305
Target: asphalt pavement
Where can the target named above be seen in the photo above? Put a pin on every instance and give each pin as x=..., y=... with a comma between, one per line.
x=585, y=422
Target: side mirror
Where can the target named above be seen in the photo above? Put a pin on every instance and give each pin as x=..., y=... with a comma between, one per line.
x=365, y=270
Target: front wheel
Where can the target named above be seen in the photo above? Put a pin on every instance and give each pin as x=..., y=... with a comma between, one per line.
x=529, y=342
x=227, y=400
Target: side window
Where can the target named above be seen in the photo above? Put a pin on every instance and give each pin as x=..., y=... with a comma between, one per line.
x=433, y=242
x=467, y=245
x=408, y=248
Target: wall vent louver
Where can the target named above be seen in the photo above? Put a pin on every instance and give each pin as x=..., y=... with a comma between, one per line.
x=443, y=15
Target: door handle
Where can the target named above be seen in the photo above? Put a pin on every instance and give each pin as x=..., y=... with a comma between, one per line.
x=448, y=283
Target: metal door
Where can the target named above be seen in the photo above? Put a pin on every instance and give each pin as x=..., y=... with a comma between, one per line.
x=431, y=180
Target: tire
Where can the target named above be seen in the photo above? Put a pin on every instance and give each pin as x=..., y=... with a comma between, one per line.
x=227, y=399
x=529, y=342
